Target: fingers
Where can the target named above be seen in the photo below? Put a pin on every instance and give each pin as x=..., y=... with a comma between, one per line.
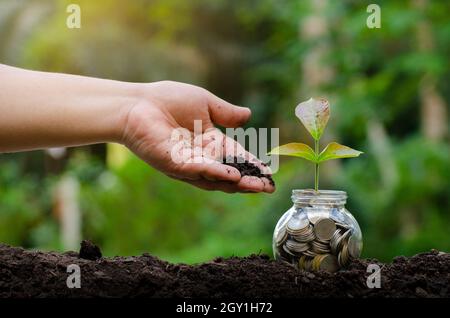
x=202, y=165
x=229, y=147
x=211, y=170
x=234, y=149
x=214, y=186
x=246, y=184
x=216, y=145
x=209, y=174
x=251, y=184
x=226, y=114
x=268, y=186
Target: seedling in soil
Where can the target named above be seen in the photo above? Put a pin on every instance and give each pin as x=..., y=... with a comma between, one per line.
x=314, y=115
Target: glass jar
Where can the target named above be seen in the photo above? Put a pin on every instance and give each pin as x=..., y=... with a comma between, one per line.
x=317, y=233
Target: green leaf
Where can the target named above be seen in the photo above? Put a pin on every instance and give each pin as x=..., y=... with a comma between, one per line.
x=335, y=151
x=314, y=115
x=295, y=149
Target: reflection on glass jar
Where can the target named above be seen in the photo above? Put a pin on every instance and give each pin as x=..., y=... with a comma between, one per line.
x=317, y=233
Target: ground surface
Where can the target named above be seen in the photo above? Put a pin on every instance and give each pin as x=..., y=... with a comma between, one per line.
x=36, y=274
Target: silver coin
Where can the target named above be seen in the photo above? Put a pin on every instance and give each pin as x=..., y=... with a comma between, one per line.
x=287, y=250
x=324, y=229
x=337, y=216
x=282, y=254
x=343, y=226
x=297, y=223
x=305, y=235
x=354, y=247
x=296, y=247
x=309, y=253
x=281, y=236
x=315, y=215
x=334, y=242
x=344, y=259
x=329, y=263
x=320, y=248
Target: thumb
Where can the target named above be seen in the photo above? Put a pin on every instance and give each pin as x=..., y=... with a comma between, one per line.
x=226, y=114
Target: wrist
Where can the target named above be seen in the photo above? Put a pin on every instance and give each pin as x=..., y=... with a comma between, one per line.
x=133, y=96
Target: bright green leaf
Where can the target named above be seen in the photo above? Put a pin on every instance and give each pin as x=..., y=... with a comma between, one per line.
x=335, y=151
x=295, y=149
x=314, y=115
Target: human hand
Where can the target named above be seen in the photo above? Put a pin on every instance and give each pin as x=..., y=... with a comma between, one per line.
x=165, y=106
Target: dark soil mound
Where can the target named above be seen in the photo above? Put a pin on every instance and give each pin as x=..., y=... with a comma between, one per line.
x=90, y=251
x=246, y=168
x=36, y=274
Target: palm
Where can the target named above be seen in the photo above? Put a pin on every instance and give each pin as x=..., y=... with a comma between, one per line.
x=149, y=133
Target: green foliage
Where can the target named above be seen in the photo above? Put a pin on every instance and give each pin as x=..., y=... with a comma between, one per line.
x=24, y=204
x=410, y=217
x=314, y=115
x=336, y=151
x=295, y=149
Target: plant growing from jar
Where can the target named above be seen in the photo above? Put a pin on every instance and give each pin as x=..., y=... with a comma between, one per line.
x=318, y=232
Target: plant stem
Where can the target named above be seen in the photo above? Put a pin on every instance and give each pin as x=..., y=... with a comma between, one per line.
x=316, y=170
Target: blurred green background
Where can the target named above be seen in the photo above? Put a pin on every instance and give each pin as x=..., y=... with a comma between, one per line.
x=389, y=89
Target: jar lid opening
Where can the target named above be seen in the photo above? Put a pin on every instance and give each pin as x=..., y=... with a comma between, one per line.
x=312, y=197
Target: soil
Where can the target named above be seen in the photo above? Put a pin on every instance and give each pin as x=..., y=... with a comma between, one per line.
x=246, y=168
x=89, y=250
x=26, y=274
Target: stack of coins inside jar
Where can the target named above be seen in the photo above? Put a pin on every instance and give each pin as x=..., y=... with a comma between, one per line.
x=317, y=239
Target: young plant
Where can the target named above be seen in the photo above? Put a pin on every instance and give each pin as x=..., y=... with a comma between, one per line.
x=314, y=115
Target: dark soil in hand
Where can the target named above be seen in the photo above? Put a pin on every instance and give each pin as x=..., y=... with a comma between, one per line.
x=36, y=274
x=246, y=168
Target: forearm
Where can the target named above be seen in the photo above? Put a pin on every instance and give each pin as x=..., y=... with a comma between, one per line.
x=39, y=110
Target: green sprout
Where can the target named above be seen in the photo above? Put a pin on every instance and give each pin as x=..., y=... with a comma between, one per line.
x=314, y=115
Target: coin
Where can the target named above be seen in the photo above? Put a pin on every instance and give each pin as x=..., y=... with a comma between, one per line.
x=320, y=248
x=343, y=226
x=326, y=262
x=304, y=235
x=297, y=223
x=308, y=264
x=343, y=239
x=281, y=236
x=324, y=229
x=309, y=253
x=312, y=240
x=334, y=242
x=327, y=242
x=329, y=263
x=343, y=257
x=301, y=261
x=337, y=215
x=283, y=254
x=316, y=261
x=354, y=247
x=347, y=234
x=287, y=250
x=314, y=216
x=296, y=247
